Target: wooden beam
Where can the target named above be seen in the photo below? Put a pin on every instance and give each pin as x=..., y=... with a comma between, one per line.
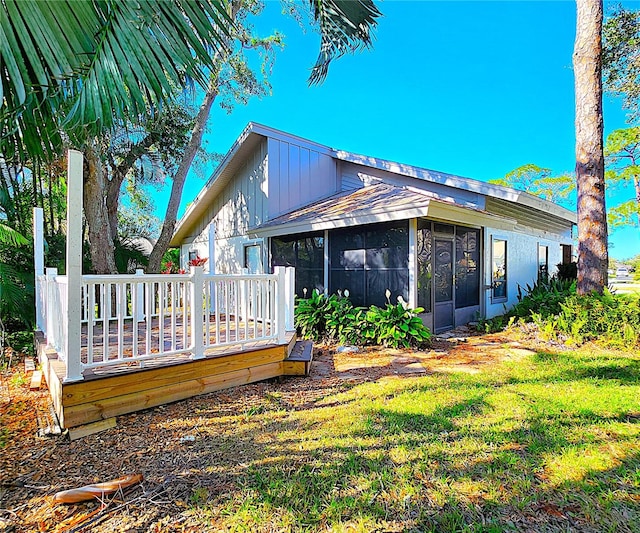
x=36, y=380
x=95, y=390
x=89, y=429
x=127, y=403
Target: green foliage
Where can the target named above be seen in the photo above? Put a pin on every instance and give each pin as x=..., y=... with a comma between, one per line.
x=544, y=298
x=611, y=319
x=560, y=313
x=621, y=69
x=568, y=271
x=21, y=342
x=395, y=326
x=322, y=317
x=541, y=182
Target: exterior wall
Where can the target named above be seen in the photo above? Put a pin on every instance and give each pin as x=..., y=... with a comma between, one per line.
x=353, y=176
x=298, y=175
x=522, y=264
x=241, y=205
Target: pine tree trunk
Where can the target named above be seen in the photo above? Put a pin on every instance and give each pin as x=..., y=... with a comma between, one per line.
x=95, y=213
x=592, y=215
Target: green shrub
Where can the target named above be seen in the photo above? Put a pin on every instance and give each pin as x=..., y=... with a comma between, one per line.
x=395, y=326
x=545, y=298
x=334, y=317
x=612, y=319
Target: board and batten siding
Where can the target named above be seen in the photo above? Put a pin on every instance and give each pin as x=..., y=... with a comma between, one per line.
x=241, y=205
x=298, y=176
x=354, y=176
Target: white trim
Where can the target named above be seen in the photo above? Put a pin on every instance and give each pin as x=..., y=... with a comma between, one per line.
x=413, y=263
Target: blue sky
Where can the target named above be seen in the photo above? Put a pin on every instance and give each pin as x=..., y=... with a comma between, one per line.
x=470, y=88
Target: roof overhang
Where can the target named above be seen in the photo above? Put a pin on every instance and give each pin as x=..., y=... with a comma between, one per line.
x=371, y=205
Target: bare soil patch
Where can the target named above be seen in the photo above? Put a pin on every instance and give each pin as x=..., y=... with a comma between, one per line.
x=160, y=443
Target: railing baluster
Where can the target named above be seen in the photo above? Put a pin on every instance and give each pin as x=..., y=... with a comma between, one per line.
x=91, y=312
x=161, y=299
x=121, y=295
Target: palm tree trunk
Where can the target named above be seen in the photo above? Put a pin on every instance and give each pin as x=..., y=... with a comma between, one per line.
x=592, y=215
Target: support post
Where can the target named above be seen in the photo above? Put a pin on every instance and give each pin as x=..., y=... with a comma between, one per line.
x=74, y=266
x=289, y=297
x=212, y=265
x=197, y=319
x=413, y=263
x=50, y=331
x=281, y=316
x=139, y=297
x=38, y=261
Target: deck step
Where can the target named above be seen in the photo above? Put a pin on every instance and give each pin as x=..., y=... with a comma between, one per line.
x=298, y=363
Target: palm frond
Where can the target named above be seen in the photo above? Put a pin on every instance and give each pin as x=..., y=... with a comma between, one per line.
x=11, y=237
x=86, y=64
x=345, y=26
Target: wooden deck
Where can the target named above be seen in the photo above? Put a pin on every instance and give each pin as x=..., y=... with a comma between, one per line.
x=128, y=387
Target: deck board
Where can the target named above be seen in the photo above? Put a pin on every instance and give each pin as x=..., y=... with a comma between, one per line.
x=111, y=391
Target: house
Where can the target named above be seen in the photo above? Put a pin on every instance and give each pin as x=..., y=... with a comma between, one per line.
x=455, y=246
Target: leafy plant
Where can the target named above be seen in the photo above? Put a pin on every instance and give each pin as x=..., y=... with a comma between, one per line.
x=396, y=326
x=334, y=317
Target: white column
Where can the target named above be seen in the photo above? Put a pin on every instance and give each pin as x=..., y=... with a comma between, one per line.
x=212, y=266
x=289, y=297
x=139, y=307
x=212, y=248
x=196, y=311
x=38, y=261
x=281, y=298
x=50, y=329
x=413, y=263
x=74, y=265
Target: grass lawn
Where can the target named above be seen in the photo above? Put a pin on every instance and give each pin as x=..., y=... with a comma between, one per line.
x=536, y=441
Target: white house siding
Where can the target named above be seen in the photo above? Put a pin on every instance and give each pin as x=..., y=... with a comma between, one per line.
x=241, y=205
x=353, y=176
x=298, y=176
x=522, y=264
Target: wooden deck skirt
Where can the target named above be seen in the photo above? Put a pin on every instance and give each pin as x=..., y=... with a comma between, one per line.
x=125, y=389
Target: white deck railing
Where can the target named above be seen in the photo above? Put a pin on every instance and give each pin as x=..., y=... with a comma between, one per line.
x=134, y=318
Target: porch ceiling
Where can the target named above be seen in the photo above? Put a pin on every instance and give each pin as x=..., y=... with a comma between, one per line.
x=377, y=203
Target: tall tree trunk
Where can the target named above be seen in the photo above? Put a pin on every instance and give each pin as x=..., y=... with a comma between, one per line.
x=95, y=212
x=118, y=175
x=592, y=215
x=169, y=224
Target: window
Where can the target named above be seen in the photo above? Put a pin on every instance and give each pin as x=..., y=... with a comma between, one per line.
x=543, y=262
x=306, y=254
x=369, y=260
x=193, y=256
x=566, y=254
x=253, y=258
x=498, y=269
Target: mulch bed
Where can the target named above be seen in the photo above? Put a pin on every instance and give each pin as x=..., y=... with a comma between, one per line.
x=160, y=443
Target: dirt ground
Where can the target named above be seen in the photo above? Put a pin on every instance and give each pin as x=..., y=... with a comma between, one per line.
x=158, y=442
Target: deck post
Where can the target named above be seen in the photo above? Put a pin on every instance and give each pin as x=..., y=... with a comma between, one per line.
x=281, y=298
x=139, y=297
x=38, y=261
x=289, y=297
x=197, y=309
x=212, y=265
x=74, y=266
x=49, y=330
